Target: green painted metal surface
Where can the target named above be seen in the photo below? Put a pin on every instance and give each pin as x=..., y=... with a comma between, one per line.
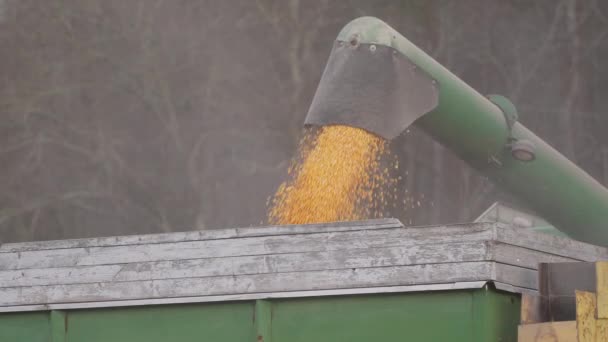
x=26, y=327
x=482, y=315
x=263, y=320
x=495, y=316
x=222, y=322
x=475, y=129
x=436, y=316
x=59, y=325
x=432, y=316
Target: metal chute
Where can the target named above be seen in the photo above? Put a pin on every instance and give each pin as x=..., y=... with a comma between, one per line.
x=379, y=81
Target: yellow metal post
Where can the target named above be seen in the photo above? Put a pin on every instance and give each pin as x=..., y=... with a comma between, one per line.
x=585, y=316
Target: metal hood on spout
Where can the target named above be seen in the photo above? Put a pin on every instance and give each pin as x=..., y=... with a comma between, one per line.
x=373, y=87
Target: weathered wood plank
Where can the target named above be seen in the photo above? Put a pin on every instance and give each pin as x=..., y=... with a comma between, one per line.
x=549, y=243
x=359, y=258
x=212, y=234
x=242, y=284
x=525, y=257
x=249, y=296
x=513, y=289
x=243, y=262
x=277, y=263
x=516, y=276
x=550, y=331
x=239, y=246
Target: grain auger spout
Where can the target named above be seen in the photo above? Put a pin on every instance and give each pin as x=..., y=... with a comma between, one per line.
x=379, y=81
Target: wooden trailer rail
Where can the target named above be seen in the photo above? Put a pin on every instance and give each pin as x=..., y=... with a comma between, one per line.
x=251, y=263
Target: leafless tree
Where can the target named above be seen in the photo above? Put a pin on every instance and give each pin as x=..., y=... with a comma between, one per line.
x=122, y=117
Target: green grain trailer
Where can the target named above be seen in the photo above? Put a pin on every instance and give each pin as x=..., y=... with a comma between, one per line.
x=357, y=281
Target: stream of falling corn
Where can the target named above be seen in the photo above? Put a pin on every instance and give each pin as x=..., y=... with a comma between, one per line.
x=339, y=175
